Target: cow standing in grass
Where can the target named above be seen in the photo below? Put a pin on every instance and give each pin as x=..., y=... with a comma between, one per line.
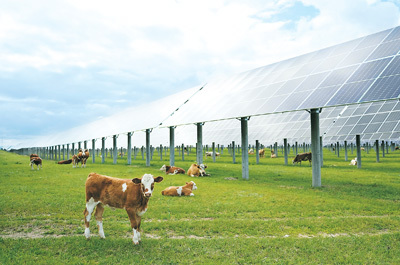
x=35, y=159
x=130, y=194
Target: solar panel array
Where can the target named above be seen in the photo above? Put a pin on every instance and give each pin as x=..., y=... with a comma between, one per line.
x=338, y=79
x=363, y=70
x=373, y=121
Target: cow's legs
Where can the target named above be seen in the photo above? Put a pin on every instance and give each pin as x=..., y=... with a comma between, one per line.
x=90, y=205
x=135, y=224
x=99, y=218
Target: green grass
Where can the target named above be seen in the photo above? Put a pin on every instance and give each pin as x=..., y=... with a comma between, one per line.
x=274, y=217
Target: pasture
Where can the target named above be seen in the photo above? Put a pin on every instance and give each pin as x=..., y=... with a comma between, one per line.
x=275, y=217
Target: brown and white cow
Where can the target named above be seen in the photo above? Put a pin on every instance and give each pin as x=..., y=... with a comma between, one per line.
x=35, y=159
x=196, y=170
x=130, y=194
x=171, y=170
x=353, y=162
x=77, y=158
x=181, y=190
x=251, y=151
x=261, y=152
x=273, y=155
x=84, y=158
x=302, y=157
x=211, y=154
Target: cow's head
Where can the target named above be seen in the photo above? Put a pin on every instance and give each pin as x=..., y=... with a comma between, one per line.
x=163, y=168
x=147, y=183
x=194, y=187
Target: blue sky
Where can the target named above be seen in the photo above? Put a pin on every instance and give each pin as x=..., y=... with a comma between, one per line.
x=66, y=63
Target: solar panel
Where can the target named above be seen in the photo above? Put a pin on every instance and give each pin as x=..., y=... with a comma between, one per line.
x=362, y=70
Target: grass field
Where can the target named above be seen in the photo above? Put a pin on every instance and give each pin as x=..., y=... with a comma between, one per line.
x=275, y=217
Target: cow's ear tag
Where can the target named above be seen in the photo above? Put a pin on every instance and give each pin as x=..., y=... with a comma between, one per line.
x=136, y=181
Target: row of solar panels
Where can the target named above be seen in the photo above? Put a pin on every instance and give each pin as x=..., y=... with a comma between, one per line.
x=338, y=79
x=363, y=70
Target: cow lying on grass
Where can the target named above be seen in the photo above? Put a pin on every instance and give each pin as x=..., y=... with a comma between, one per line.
x=353, y=162
x=273, y=155
x=211, y=154
x=181, y=190
x=131, y=195
x=302, y=157
x=196, y=170
x=69, y=161
x=171, y=170
x=35, y=159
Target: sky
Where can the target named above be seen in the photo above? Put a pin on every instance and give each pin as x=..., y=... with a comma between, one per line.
x=65, y=63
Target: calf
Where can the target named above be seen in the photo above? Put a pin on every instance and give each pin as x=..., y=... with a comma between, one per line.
x=131, y=195
x=353, y=162
x=196, y=170
x=273, y=155
x=302, y=157
x=261, y=152
x=84, y=157
x=211, y=153
x=171, y=170
x=69, y=161
x=77, y=158
x=251, y=152
x=35, y=159
x=181, y=190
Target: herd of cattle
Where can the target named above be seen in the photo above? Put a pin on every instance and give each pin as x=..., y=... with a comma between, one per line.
x=133, y=194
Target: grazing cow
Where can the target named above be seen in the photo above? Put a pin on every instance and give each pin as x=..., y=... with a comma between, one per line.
x=84, y=158
x=353, y=162
x=131, y=195
x=273, y=155
x=69, y=161
x=302, y=157
x=35, y=159
x=196, y=170
x=171, y=170
x=261, y=152
x=396, y=148
x=251, y=152
x=211, y=153
x=181, y=190
x=362, y=149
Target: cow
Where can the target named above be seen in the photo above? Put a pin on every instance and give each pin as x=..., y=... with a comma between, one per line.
x=396, y=148
x=196, y=170
x=251, y=152
x=181, y=190
x=69, y=161
x=211, y=153
x=35, y=159
x=171, y=170
x=261, y=152
x=353, y=162
x=77, y=158
x=131, y=195
x=302, y=157
x=273, y=155
x=84, y=158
